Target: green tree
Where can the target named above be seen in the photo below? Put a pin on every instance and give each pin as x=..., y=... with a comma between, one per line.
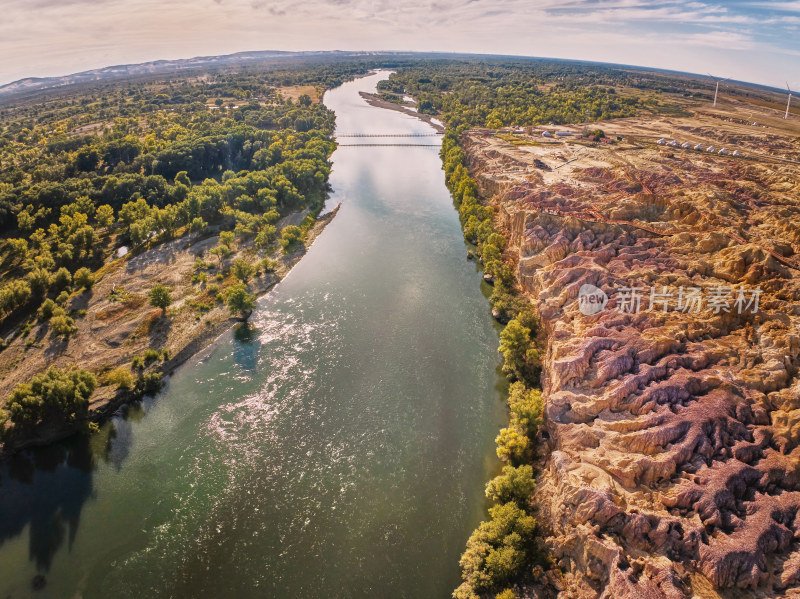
x=53, y=395
x=62, y=279
x=46, y=309
x=160, y=297
x=514, y=484
x=182, y=178
x=197, y=225
x=104, y=215
x=266, y=236
x=226, y=238
x=242, y=270
x=526, y=408
x=240, y=302
x=497, y=551
x=40, y=280
x=221, y=252
x=515, y=341
x=18, y=248
x=512, y=445
x=83, y=278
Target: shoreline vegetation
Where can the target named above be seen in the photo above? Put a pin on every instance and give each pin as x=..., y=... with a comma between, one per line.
x=142, y=224
x=501, y=547
x=506, y=552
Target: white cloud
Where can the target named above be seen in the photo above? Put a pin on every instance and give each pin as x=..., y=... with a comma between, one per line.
x=51, y=37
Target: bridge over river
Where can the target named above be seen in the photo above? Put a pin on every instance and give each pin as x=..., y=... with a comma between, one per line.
x=387, y=135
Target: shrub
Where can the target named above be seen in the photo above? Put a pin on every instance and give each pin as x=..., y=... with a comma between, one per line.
x=151, y=355
x=61, y=324
x=149, y=383
x=267, y=265
x=138, y=363
x=62, y=298
x=121, y=378
x=290, y=237
x=53, y=395
x=200, y=264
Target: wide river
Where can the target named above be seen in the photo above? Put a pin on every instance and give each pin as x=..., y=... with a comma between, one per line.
x=340, y=452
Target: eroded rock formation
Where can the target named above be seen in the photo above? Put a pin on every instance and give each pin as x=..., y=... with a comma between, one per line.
x=673, y=462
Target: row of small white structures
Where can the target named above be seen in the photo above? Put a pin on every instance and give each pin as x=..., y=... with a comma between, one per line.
x=686, y=145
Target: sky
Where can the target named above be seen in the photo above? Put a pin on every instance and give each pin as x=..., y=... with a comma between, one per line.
x=749, y=40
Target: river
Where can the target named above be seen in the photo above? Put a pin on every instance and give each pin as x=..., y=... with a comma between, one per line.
x=339, y=452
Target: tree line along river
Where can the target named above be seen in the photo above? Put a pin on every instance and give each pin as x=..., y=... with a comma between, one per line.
x=341, y=452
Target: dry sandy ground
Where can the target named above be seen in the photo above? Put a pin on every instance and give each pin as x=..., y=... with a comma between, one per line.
x=295, y=91
x=120, y=323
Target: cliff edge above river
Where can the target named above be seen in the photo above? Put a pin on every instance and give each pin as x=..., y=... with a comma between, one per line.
x=672, y=427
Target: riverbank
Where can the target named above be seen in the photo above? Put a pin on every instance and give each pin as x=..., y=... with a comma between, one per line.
x=378, y=102
x=357, y=423
x=117, y=327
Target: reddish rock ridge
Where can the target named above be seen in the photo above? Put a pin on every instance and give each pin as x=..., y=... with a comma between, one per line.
x=673, y=466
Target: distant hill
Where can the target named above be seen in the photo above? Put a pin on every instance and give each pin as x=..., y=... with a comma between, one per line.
x=35, y=84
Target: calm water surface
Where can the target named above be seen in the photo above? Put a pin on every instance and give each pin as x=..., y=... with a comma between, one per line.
x=340, y=452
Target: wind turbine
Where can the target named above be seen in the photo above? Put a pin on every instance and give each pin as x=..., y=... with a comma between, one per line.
x=789, y=101
x=716, y=91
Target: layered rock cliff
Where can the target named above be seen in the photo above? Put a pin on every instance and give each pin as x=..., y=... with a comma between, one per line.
x=672, y=417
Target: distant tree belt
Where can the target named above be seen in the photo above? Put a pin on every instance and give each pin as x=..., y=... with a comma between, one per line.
x=489, y=93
